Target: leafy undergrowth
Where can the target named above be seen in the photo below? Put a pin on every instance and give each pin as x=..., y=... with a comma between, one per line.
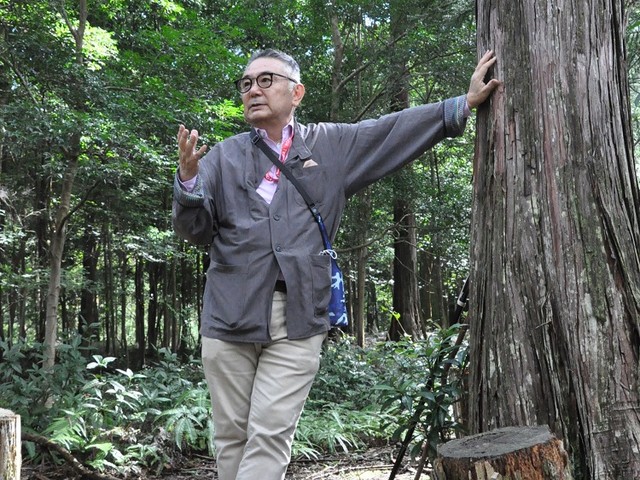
x=156, y=422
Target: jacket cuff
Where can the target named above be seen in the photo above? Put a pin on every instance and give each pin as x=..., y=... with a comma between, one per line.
x=194, y=198
x=454, y=118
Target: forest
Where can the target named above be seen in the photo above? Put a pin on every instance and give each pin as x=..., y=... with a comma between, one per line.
x=100, y=300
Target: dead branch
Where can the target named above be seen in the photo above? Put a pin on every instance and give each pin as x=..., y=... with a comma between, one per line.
x=64, y=453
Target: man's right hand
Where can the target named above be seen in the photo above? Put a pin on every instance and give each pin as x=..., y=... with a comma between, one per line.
x=479, y=91
x=187, y=154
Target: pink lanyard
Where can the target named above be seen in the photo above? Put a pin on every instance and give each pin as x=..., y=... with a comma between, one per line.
x=274, y=176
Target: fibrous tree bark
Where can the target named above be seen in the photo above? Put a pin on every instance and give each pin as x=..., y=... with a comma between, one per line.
x=555, y=280
x=10, y=446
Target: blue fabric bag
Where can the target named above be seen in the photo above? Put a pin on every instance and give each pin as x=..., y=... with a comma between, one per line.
x=337, y=305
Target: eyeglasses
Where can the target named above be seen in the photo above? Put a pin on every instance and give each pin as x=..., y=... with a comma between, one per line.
x=264, y=80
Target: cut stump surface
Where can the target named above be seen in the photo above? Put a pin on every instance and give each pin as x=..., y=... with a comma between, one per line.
x=511, y=453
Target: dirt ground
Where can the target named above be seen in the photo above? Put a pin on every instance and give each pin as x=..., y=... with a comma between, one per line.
x=374, y=464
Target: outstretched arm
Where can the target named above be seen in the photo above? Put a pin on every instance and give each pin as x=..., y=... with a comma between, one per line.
x=479, y=91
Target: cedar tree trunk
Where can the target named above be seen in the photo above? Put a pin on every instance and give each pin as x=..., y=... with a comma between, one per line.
x=555, y=281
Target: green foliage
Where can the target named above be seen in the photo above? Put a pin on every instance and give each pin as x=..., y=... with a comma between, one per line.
x=345, y=375
x=120, y=420
x=425, y=385
x=365, y=396
x=147, y=66
x=337, y=428
x=342, y=413
x=109, y=417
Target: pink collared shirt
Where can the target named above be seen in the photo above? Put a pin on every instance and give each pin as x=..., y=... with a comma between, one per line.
x=269, y=183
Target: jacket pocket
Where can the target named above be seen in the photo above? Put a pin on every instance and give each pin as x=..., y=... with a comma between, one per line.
x=226, y=288
x=314, y=181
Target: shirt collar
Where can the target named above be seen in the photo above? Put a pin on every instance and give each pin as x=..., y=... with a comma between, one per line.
x=287, y=132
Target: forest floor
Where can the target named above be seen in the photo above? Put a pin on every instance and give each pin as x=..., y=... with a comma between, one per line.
x=373, y=464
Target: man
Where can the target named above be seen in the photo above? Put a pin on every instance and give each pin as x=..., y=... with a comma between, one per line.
x=265, y=316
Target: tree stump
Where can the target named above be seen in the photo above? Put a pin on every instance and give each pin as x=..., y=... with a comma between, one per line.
x=512, y=453
x=10, y=445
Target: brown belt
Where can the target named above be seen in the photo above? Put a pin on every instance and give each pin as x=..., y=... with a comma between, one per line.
x=281, y=286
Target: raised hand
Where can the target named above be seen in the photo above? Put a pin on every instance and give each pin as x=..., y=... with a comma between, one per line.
x=188, y=156
x=479, y=91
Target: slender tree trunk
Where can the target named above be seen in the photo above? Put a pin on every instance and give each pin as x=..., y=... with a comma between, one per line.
x=359, y=317
x=22, y=297
x=42, y=194
x=2, y=334
x=5, y=86
x=139, y=296
x=359, y=298
x=373, y=315
x=109, y=304
x=406, y=300
x=555, y=297
x=88, y=301
x=433, y=304
x=2, y=294
x=59, y=234
x=124, y=275
x=17, y=298
x=152, y=312
x=57, y=249
x=187, y=281
x=172, y=326
x=338, y=58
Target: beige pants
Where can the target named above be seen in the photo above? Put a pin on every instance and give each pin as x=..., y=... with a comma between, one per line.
x=257, y=394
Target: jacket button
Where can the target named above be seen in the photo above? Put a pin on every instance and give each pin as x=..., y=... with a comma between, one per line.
x=278, y=248
x=276, y=217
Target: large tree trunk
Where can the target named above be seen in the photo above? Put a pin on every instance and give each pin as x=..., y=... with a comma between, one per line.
x=555, y=297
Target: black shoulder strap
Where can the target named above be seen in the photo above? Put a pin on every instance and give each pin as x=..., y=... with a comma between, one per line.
x=260, y=143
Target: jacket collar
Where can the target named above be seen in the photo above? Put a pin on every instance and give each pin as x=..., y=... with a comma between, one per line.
x=299, y=147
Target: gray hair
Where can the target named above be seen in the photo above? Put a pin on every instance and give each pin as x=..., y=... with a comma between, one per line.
x=285, y=58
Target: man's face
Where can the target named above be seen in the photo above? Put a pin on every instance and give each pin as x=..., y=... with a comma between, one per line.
x=270, y=107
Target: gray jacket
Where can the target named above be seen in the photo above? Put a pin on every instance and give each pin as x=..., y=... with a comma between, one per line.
x=250, y=241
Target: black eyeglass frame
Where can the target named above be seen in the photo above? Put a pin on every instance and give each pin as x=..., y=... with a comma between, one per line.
x=268, y=75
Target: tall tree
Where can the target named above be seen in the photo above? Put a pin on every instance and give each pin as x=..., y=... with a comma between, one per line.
x=555, y=330
x=406, y=300
x=64, y=210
